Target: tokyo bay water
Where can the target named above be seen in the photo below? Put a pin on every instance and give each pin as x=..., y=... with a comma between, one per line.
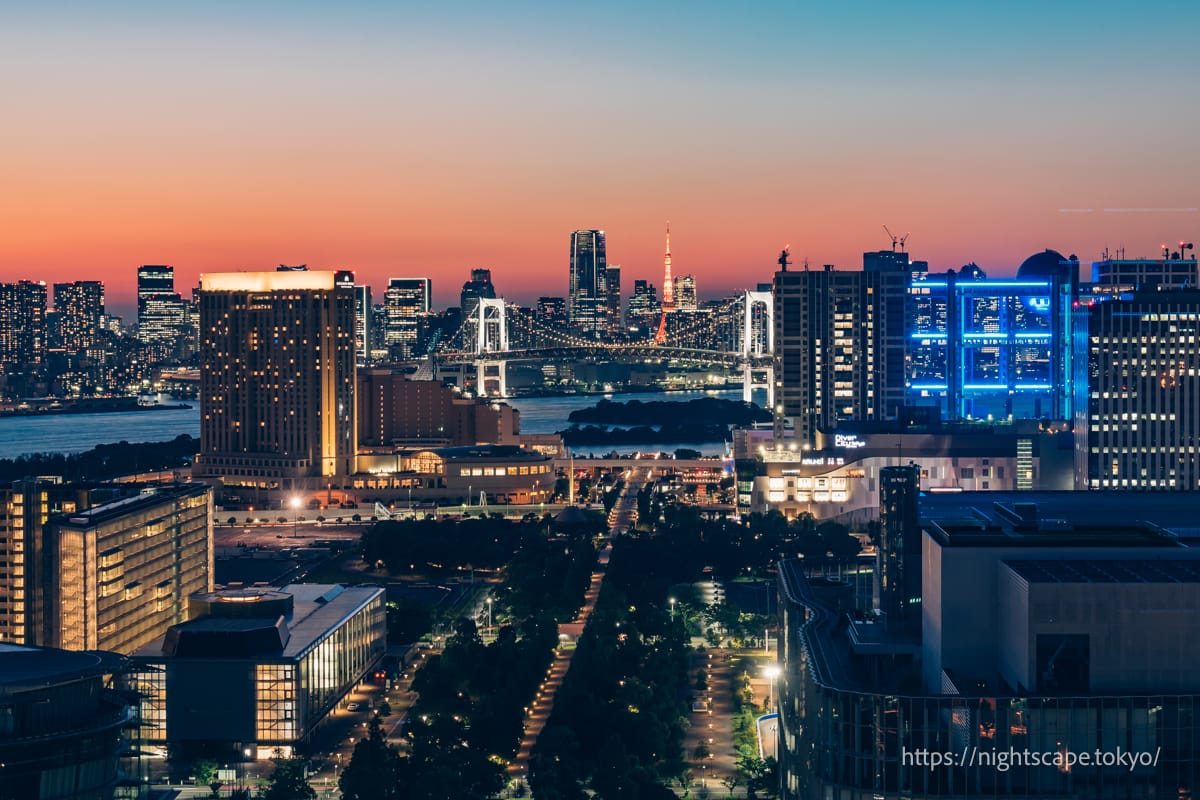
x=73, y=433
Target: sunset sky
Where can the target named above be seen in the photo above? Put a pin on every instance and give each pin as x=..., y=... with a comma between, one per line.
x=406, y=139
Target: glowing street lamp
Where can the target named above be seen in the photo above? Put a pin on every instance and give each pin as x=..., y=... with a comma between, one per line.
x=295, y=514
x=671, y=600
x=772, y=671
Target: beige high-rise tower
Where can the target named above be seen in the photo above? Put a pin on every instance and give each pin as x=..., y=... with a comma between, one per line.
x=277, y=376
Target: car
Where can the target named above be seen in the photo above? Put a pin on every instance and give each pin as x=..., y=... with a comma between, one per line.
x=353, y=706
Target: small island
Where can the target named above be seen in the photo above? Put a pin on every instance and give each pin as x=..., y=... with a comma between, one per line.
x=701, y=411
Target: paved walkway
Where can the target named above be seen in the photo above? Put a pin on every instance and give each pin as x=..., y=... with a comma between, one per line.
x=711, y=727
x=543, y=704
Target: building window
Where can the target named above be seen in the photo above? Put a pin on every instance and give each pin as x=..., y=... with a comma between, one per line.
x=968, y=473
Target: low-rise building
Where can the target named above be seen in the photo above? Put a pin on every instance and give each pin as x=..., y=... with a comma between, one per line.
x=840, y=476
x=258, y=668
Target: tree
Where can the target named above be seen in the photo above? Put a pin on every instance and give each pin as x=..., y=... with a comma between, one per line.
x=288, y=781
x=372, y=773
x=204, y=771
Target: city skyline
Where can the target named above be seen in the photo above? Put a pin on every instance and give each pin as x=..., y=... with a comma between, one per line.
x=395, y=141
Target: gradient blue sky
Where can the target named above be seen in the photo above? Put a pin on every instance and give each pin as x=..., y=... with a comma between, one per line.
x=407, y=139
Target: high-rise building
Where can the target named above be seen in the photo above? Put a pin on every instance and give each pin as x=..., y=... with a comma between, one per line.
x=408, y=302
x=277, y=376
x=1137, y=384
x=479, y=287
x=364, y=330
x=587, y=298
x=1115, y=275
x=79, y=306
x=644, y=308
x=110, y=576
x=552, y=310
x=685, y=294
x=839, y=348
x=396, y=411
x=22, y=325
x=612, y=282
x=162, y=313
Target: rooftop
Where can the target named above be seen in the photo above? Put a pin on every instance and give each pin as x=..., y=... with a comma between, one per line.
x=1108, y=571
x=28, y=668
x=147, y=498
x=268, y=281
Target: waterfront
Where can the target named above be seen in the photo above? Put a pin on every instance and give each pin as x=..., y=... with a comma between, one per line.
x=74, y=433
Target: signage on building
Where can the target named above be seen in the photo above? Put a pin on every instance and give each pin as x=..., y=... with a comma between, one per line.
x=848, y=441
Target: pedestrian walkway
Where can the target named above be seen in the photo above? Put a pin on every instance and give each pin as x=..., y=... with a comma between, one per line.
x=543, y=703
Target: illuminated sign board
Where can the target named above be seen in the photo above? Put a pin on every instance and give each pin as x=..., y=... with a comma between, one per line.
x=848, y=441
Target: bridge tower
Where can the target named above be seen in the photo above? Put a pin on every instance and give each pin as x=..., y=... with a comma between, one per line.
x=491, y=341
x=756, y=375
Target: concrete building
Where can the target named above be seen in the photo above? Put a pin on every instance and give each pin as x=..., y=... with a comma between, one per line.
x=61, y=724
x=78, y=307
x=500, y=474
x=395, y=411
x=162, y=313
x=277, y=377
x=22, y=325
x=841, y=476
x=1040, y=632
x=1116, y=275
x=839, y=348
x=258, y=668
x=1137, y=380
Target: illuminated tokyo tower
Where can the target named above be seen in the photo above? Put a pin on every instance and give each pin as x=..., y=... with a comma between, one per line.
x=668, y=301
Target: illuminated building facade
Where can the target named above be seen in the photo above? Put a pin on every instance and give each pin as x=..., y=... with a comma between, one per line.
x=1137, y=420
x=612, y=287
x=407, y=305
x=117, y=574
x=587, y=292
x=839, y=348
x=981, y=348
x=79, y=307
x=282, y=659
x=22, y=325
x=277, y=376
x=364, y=328
x=162, y=313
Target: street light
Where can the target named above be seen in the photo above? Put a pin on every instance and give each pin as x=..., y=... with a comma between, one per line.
x=672, y=602
x=489, y=605
x=295, y=514
x=772, y=672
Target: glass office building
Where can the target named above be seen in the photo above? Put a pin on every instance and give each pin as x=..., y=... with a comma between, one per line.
x=982, y=348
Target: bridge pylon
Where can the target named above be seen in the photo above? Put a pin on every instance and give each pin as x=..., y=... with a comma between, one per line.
x=755, y=348
x=491, y=340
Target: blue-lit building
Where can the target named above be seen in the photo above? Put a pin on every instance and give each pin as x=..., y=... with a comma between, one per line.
x=983, y=348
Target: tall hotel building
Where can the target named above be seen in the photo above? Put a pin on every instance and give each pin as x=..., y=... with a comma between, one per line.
x=277, y=377
x=587, y=299
x=839, y=348
x=1137, y=409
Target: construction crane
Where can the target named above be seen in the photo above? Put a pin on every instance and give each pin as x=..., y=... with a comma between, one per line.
x=900, y=240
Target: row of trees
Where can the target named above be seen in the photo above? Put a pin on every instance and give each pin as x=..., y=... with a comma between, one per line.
x=619, y=718
x=738, y=549
x=104, y=461
x=468, y=719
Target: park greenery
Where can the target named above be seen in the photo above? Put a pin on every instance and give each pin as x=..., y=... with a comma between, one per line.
x=104, y=461
x=467, y=722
